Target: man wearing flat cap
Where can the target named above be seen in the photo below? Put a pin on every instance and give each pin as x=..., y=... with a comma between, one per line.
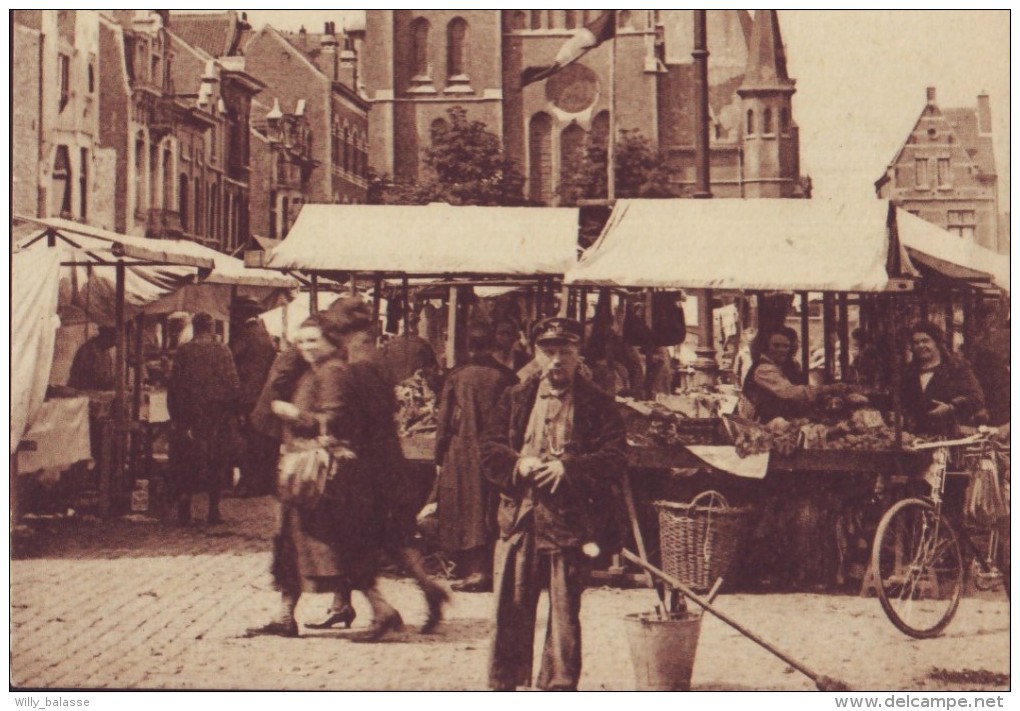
x=552, y=447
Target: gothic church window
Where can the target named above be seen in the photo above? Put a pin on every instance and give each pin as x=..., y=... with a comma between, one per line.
x=766, y=122
x=420, y=46
x=784, y=120
x=571, y=151
x=540, y=157
x=456, y=42
x=750, y=122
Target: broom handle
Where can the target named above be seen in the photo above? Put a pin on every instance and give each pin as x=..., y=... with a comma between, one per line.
x=708, y=608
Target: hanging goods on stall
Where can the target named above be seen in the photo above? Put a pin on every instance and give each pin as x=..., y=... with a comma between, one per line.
x=984, y=503
x=699, y=540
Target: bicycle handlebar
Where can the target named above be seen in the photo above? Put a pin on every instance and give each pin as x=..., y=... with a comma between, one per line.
x=983, y=435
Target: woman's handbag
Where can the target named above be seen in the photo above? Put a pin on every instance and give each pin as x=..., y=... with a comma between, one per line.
x=303, y=473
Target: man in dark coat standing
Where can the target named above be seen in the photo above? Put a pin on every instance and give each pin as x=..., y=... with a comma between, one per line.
x=254, y=353
x=552, y=447
x=202, y=400
x=463, y=496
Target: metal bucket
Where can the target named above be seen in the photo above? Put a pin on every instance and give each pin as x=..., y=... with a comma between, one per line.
x=663, y=651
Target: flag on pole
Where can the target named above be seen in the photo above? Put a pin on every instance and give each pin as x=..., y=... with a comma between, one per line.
x=587, y=38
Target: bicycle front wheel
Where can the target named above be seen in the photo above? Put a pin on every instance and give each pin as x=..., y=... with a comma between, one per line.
x=918, y=568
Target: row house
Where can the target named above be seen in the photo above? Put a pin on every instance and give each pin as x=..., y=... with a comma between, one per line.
x=945, y=172
x=214, y=169
x=57, y=160
x=317, y=74
x=281, y=167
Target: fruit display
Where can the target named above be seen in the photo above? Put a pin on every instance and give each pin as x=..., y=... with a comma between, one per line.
x=416, y=414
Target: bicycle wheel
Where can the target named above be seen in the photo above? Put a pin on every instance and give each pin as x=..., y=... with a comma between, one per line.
x=918, y=568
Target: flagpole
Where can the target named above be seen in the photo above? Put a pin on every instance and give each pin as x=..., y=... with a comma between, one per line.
x=611, y=139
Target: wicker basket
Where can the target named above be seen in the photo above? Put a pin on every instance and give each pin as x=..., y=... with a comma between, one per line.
x=699, y=539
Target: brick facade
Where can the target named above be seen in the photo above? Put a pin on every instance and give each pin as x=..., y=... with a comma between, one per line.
x=409, y=82
x=945, y=172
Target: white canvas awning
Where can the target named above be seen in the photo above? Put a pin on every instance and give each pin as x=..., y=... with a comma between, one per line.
x=933, y=242
x=163, y=275
x=785, y=245
x=430, y=240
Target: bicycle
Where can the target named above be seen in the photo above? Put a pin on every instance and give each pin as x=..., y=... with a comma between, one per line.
x=916, y=558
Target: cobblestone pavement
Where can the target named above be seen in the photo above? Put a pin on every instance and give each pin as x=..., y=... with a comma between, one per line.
x=154, y=606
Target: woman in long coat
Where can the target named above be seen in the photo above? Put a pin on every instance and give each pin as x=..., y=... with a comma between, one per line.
x=465, y=502
x=328, y=547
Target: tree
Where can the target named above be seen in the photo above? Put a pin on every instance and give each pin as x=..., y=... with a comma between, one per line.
x=640, y=171
x=464, y=165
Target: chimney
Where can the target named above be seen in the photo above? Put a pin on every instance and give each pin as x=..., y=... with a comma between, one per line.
x=348, y=66
x=329, y=62
x=984, y=113
x=931, y=96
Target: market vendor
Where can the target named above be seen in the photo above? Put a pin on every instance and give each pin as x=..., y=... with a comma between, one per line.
x=940, y=390
x=775, y=385
x=92, y=368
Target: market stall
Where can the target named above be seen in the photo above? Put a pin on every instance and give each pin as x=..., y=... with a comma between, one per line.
x=103, y=278
x=149, y=279
x=437, y=247
x=852, y=256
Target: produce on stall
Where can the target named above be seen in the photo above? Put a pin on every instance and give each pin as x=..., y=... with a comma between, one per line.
x=852, y=259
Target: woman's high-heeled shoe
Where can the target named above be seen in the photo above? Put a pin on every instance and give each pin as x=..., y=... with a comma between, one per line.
x=344, y=616
x=380, y=626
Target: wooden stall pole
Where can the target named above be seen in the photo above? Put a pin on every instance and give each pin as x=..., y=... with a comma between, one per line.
x=706, y=369
x=582, y=314
x=950, y=320
x=111, y=479
x=897, y=376
x=828, y=316
x=405, y=306
x=451, y=328
x=376, y=299
x=844, y=337
x=139, y=362
x=313, y=296
x=805, y=330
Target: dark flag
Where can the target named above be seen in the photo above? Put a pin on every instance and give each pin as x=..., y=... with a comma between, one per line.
x=587, y=38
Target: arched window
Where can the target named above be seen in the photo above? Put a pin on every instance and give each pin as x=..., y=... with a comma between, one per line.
x=199, y=212
x=571, y=150
x=347, y=149
x=420, y=46
x=536, y=19
x=540, y=157
x=140, y=172
x=456, y=47
x=214, y=211
x=570, y=19
x=168, y=178
x=766, y=122
x=550, y=19
x=438, y=128
x=520, y=21
x=784, y=120
x=750, y=122
x=600, y=129
x=182, y=200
